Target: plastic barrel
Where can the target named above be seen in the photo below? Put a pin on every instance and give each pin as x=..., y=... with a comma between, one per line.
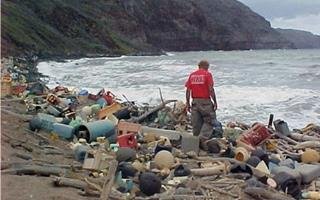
x=97, y=129
x=44, y=121
x=63, y=130
x=35, y=123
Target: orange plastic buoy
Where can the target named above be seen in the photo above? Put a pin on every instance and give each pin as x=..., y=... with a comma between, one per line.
x=310, y=156
x=164, y=159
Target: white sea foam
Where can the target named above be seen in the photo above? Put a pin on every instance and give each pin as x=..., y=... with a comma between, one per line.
x=170, y=54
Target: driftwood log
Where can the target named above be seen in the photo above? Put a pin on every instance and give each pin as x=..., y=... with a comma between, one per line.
x=10, y=164
x=175, y=197
x=69, y=182
x=23, y=156
x=52, y=152
x=303, y=137
x=90, y=193
x=94, y=193
x=210, y=187
x=14, y=164
x=284, y=150
x=215, y=170
x=35, y=170
x=85, y=185
x=307, y=144
x=219, y=159
x=15, y=142
x=280, y=135
x=11, y=100
x=93, y=185
x=107, y=186
x=98, y=180
x=261, y=193
x=169, y=195
x=17, y=115
x=157, y=108
x=72, y=166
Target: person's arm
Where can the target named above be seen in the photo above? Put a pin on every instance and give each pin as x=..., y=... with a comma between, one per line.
x=188, y=99
x=188, y=94
x=213, y=97
x=212, y=92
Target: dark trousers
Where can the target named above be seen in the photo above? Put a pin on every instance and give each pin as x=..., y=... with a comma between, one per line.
x=202, y=116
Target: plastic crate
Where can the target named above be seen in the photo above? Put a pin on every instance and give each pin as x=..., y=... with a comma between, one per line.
x=128, y=127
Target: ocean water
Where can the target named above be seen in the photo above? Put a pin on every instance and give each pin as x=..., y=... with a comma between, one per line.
x=249, y=85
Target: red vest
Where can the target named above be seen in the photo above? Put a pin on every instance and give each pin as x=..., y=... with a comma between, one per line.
x=199, y=83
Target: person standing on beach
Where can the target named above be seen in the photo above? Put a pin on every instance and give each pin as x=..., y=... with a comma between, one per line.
x=204, y=103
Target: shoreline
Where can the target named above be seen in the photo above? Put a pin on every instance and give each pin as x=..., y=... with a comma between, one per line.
x=62, y=58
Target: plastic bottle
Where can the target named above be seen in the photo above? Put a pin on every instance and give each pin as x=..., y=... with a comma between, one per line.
x=313, y=195
x=242, y=154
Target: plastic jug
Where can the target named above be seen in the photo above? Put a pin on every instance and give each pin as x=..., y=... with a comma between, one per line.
x=83, y=96
x=127, y=140
x=256, y=135
x=282, y=127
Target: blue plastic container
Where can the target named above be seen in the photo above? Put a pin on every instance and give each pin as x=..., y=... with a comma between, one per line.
x=83, y=93
x=83, y=96
x=90, y=131
x=102, y=102
x=80, y=152
x=35, y=123
x=63, y=130
x=43, y=121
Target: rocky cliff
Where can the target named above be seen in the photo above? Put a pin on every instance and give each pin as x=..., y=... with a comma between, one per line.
x=58, y=28
x=301, y=39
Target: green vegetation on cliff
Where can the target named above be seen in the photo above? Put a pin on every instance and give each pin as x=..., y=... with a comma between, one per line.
x=59, y=28
x=55, y=28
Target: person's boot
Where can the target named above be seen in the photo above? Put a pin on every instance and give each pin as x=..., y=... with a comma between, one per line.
x=203, y=144
x=213, y=146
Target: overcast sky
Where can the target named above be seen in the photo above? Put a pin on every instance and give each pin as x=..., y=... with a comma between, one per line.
x=295, y=14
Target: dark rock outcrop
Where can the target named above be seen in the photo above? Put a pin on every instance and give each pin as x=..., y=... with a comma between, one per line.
x=301, y=39
x=58, y=28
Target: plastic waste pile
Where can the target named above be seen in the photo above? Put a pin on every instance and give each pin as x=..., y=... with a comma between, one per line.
x=158, y=156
